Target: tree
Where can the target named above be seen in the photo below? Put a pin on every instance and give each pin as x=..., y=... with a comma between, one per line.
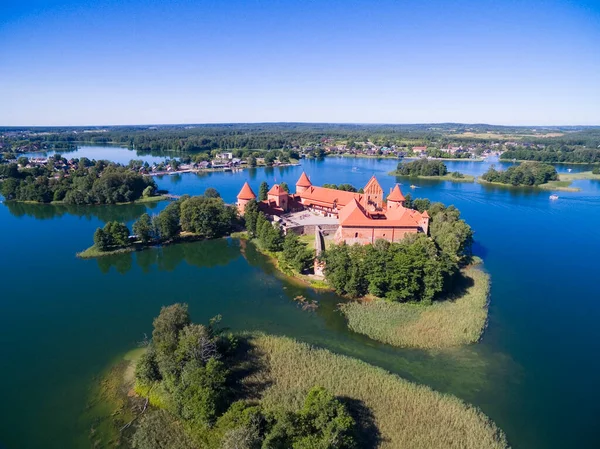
x=251, y=161
x=117, y=233
x=284, y=187
x=167, y=325
x=201, y=395
x=296, y=254
x=146, y=368
x=250, y=217
x=101, y=240
x=23, y=161
x=208, y=217
x=211, y=192
x=143, y=228
x=166, y=223
x=149, y=192
x=263, y=191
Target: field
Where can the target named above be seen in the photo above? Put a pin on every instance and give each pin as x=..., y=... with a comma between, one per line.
x=395, y=413
x=444, y=324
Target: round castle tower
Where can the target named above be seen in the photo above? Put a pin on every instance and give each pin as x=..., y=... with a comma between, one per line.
x=303, y=183
x=244, y=197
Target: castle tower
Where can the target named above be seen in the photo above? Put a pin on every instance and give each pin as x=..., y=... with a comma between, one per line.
x=373, y=196
x=244, y=197
x=303, y=183
x=395, y=200
x=425, y=222
x=279, y=197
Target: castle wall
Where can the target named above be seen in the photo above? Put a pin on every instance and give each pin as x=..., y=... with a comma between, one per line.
x=364, y=235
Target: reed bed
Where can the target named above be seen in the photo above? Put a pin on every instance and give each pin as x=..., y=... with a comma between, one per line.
x=443, y=324
x=406, y=415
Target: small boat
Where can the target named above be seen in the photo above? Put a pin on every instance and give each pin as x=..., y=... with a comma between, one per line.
x=354, y=168
x=553, y=197
x=569, y=170
x=412, y=186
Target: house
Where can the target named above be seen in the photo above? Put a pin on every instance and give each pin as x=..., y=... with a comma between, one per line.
x=419, y=150
x=362, y=217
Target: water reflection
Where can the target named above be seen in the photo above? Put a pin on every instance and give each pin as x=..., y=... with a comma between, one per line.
x=206, y=254
x=121, y=213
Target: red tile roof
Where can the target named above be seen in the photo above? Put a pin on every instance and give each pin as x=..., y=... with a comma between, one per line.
x=354, y=215
x=304, y=181
x=327, y=197
x=396, y=194
x=277, y=190
x=246, y=193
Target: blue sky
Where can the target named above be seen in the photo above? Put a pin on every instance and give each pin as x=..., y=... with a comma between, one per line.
x=387, y=61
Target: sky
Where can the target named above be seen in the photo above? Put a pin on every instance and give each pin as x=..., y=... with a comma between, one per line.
x=525, y=62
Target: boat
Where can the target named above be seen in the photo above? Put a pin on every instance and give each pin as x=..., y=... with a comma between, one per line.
x=553, y=197
x=412, y=186
x=569, y=170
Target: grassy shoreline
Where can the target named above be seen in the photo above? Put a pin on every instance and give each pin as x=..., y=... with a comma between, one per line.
x=446, y=177
x=93, y=252
x=150, y=199
x=444, y=324
x=560, y=185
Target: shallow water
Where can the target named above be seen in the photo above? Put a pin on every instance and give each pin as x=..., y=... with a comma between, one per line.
x=64, y=320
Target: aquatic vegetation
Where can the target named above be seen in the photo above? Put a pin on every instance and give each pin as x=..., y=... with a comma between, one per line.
x=453, y=322
x=395, y=413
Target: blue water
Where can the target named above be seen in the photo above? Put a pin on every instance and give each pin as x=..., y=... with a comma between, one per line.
x=535, y=372
x=112, y=153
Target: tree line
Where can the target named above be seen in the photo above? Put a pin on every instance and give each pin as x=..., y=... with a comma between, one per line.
x=557, y=154
x=525, y=174
x=422, y=167
x=82, y=182
x=290, y=250
x=203, y=216
x=193, y=372
x=419, y=268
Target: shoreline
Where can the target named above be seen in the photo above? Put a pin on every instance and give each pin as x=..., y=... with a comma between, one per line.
x=213, y=170
x=151, y=199
x=447, y=177
x=564, y=187
x=93, y=253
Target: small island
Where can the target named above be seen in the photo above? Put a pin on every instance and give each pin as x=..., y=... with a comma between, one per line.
x=196, y=385
x=535, y=174
x=429, y=169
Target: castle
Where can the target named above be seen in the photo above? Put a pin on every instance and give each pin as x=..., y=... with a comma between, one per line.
x=361, y=217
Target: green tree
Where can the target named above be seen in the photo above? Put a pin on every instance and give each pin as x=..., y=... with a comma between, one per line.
x=263, y=191
x=251, y=216
x=211, y=192
x=143, y=228
x=167, y=326
x=166, y=223
x=101, y=240
x=284, y=187
x=296, y=254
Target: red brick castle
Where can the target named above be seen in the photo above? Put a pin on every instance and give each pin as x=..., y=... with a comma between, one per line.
x=361, y=217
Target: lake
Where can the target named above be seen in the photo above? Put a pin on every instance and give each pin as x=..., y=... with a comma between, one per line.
x=65, y=320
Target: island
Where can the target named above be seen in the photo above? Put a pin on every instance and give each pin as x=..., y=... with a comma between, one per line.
x=195, y=385
x=535, y=174
x=429, y=169
x=404, y=265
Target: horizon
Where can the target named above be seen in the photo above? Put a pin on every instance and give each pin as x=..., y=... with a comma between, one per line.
x=113, y=63
x=205, y=124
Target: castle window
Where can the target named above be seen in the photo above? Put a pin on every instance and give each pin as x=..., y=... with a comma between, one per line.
x=356, y=235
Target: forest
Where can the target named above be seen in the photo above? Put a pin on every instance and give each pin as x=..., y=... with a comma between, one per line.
x=525, y=174
x=422, y=167
x=79, y=181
